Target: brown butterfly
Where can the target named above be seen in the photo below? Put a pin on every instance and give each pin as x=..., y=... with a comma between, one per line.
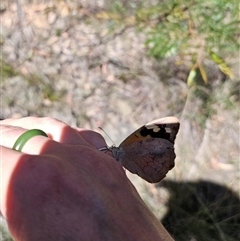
x=149, y=151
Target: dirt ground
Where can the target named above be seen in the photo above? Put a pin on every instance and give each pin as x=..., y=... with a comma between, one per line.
x=65, y=64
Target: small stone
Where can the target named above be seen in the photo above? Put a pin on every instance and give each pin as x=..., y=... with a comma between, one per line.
x=56, y=49
x=52, y=17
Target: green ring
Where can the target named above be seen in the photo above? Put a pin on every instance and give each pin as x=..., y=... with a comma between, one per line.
x=26, y=136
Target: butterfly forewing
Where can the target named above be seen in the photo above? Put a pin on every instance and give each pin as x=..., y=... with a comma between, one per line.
x=165, y=128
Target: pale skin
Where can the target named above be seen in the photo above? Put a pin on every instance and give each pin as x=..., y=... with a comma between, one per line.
x=64, y=188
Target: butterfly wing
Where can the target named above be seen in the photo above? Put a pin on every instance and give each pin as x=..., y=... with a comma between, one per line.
x=151, y=159
x=165, y=128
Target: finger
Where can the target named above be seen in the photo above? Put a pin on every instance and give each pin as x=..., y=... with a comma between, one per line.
x=92, y=137
x=40, y=144
x=55, y=129
x=9, y=161
x=95, y=139
x=34, y=145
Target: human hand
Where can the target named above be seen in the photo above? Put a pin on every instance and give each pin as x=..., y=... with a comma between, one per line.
x=64, y=188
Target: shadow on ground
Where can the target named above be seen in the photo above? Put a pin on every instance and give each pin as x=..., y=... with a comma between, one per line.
x=201, y=211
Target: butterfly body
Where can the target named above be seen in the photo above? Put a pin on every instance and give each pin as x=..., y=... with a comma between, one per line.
x=149, y=151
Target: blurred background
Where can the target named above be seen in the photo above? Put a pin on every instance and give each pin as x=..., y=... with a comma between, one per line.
x=120, y=64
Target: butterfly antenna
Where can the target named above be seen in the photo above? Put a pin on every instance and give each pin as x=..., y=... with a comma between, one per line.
x=107, y=135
